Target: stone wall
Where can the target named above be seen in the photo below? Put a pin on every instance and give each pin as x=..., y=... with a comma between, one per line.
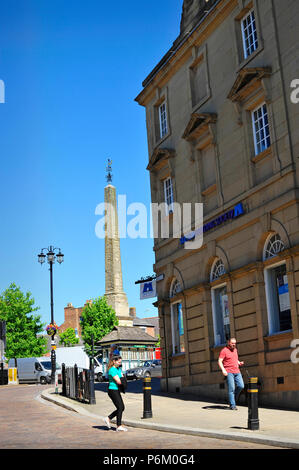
x=216, y=164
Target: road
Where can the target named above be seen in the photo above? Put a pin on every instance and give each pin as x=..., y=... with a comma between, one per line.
x=29, y=422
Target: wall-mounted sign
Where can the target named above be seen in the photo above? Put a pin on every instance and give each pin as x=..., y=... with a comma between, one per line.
x=148, y=289
x=230, y=215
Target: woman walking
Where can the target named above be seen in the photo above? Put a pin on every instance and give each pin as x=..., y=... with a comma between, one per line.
x=114, y=376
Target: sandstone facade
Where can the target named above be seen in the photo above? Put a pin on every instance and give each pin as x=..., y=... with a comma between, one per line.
x=222, y=126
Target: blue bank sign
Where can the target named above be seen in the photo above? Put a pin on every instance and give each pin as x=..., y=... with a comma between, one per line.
x=230, y=215
x=148, y=289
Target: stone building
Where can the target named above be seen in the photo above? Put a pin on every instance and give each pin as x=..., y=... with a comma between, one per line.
x=222, y=126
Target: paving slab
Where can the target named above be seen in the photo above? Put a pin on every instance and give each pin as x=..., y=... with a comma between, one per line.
x=187, y=415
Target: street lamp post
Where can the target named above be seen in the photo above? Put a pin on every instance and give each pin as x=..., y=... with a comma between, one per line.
x=51, y=257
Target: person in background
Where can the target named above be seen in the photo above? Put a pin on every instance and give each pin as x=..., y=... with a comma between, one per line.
x=114, y=351
x=114, y=376
x=230, y=366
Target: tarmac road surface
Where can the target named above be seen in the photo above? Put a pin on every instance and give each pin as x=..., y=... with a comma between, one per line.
x=29, y=422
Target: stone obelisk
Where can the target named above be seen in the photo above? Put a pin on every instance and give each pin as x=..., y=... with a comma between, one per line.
x=114, y=292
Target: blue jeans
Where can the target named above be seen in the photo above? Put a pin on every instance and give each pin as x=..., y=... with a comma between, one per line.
x=235, y=386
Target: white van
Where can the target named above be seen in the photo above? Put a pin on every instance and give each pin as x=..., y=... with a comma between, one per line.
x=32, y=369
x=47, y=366
x=69, y=356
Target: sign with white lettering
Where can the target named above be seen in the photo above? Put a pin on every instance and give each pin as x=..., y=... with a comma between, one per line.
x=148, y=290
x=230, y=215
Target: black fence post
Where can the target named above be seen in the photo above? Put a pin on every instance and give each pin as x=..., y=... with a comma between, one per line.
x=253, y=418
x=76, y=380
x=92, y=398
x=147, y=398
x=63, y=380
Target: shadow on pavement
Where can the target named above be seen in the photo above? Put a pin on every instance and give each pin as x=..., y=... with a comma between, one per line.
x=136, y=387
x=239, y=427
x=215, y=407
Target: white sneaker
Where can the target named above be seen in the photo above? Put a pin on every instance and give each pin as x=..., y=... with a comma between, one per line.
x=121, y=428
x=107, y=422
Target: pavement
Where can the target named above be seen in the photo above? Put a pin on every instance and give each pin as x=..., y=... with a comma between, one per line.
x=183, y=414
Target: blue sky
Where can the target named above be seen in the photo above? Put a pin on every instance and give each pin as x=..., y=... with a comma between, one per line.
x=72, y=70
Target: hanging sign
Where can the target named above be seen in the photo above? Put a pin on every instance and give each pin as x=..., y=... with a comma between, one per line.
x=148, y=289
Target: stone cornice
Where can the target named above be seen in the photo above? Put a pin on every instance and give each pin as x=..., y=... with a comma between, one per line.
x=159, y=157
x=182, y=49
x=198, y=125
x=248, y=80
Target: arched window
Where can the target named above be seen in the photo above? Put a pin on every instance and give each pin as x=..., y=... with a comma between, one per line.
x=177, y=322
x=175, y=288
x=221, y=318
x=217, y=270
x=273, y=246
x=277, y=288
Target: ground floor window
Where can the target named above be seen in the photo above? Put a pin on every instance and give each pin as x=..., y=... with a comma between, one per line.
x=278, y=299
x=220, y=315
x=177, y=328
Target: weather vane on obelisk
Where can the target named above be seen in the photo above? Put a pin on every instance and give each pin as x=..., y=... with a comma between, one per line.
x=109, y=171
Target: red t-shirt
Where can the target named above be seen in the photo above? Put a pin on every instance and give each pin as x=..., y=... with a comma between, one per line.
x=230, y=360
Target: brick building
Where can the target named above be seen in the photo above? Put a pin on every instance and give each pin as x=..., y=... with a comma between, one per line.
x=72, y=317
x=223, y=131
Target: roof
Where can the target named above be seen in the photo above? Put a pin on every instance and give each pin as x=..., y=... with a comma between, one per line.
x=153, y=320
x=127, y=334
x=143, y=322
x=194, y=13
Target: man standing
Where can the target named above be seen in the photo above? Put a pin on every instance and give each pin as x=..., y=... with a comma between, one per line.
x=229, y=364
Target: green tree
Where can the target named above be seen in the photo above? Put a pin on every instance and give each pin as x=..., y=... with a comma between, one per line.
x=22, y=324
x=68, y=337
x=97, y=320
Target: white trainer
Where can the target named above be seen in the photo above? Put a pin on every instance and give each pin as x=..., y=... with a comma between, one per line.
x=107, y=422
x=121, y=428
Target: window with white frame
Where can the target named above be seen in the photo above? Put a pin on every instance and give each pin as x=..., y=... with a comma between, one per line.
x=273, y=246
x=221, y=319
x=177, y=323
x=177, y=328
x=261, y=130
x=163, y=119
x=168, y=193
x=277, y=288
x=249, y=33
x=175, y=288
x=218, y=269
x=278, y=299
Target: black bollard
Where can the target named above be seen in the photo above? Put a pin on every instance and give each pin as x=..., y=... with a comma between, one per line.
x=147, y=399
x=253, y=410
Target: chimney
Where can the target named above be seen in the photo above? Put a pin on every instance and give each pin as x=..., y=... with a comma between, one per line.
x=132, y=311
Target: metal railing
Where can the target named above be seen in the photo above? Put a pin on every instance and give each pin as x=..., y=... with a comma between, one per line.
x=76, y=384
